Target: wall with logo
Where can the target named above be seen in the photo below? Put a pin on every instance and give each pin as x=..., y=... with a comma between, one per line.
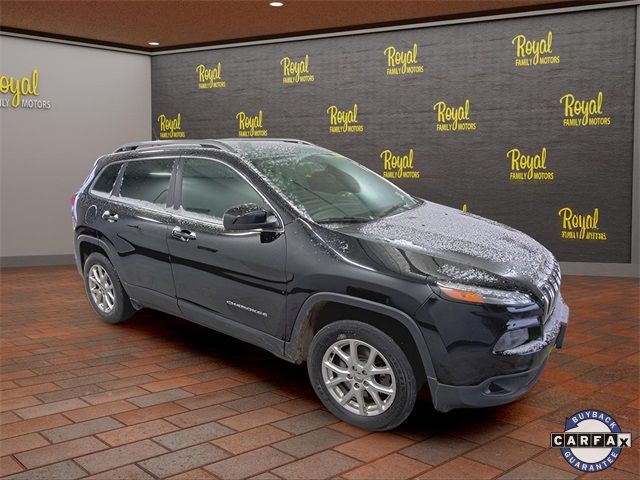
x=61, y=107
x=528, y=121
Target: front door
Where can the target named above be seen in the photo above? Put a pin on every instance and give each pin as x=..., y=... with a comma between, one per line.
x=237, y=275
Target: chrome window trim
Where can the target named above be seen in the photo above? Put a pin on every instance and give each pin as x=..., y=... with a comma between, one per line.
x=118, y=201
x=173, y=211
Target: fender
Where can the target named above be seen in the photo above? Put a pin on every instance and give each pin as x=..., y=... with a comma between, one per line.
x=107, y=247
x=292, y=347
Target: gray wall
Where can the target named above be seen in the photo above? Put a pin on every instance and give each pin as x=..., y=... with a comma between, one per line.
x=99, y=100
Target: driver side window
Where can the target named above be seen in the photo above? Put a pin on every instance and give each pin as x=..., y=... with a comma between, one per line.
x=210, y=188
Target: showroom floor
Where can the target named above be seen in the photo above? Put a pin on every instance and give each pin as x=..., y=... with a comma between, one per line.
x=158, y=397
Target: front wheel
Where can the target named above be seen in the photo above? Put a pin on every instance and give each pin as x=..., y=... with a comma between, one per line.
x=361, y=375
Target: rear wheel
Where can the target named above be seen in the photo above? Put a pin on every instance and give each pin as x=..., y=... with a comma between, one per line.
x=361, y=375
x=105, y=292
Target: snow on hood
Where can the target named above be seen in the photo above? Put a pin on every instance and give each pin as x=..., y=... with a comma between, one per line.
x=474, y=244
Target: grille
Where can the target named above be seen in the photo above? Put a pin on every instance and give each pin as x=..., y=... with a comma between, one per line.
x=549, y=290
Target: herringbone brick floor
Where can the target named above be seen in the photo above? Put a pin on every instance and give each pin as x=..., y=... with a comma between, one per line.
x=159, y=397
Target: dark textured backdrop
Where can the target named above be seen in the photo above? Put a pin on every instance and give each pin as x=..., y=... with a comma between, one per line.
x=511, y=106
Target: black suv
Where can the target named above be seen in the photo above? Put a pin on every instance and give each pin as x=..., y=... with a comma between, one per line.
x=313, y=257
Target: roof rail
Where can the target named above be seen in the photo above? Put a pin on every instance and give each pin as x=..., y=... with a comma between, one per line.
x=266, y=139
x=127, y=147
x=206, y=143
x=295, y=140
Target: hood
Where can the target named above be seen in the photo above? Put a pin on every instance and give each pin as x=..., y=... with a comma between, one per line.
x=460, y=247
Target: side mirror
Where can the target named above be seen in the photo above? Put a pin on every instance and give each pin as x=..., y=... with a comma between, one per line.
x=248, y=217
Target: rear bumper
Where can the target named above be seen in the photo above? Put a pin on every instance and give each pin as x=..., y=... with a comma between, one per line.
x=507, y=387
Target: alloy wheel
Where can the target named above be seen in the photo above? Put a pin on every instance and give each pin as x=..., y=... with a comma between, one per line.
x=101, y=288
x=358, y=377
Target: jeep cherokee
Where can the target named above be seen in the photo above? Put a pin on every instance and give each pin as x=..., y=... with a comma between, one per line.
x=315, y=258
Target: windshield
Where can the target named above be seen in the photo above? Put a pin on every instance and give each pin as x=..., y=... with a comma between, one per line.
x=325, y=185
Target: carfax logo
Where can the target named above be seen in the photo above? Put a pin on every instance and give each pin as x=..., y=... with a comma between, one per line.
x=344, y=121
x=170, y=127
x=26, y=86
x=583, y=113
x=580, y=226
x=399, y=166
x=401, y=62
x=251, y=125
x=453, y=118
x=534, y=52
x=210, y=77
x=526, y=167
x=296, y=71
x=592, y=440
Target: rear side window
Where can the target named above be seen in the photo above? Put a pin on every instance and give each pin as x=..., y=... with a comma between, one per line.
x=147, y=180
x=106, y=179
x=211, y=188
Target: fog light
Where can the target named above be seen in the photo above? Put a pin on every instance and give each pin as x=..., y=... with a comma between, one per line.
x=511, y=339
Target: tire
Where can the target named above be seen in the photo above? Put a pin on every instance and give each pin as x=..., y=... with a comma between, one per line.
x=120, y=305
x=391, y=409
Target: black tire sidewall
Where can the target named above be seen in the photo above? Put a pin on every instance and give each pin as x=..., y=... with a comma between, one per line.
x=405, y=378
x=123, y=309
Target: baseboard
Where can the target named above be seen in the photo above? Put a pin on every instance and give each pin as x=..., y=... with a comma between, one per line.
x=36, y=260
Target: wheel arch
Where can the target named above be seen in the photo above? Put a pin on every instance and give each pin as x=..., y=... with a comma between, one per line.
x=321, y=309
x=86, y=244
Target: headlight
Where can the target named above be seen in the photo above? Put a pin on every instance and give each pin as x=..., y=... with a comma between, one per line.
x=471, y=294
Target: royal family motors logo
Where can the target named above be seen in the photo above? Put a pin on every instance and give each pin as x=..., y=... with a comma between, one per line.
x=17, y=88
x=170, y=127
x=530, y=53
x=580, y=226
x=583, y=113
x=401, y=62
x=210, y=77
x=344, y=121
x=251, y=125
x=296, y=71
x=592, y=440
x=450, y=119
x=399, y=166
x=529, y=168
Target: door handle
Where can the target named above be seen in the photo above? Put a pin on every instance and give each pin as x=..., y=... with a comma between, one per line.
x=110, y=217
x=182, y=235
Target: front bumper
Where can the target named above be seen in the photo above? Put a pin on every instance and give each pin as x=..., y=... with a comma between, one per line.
x=508, y=386
x=552, y=333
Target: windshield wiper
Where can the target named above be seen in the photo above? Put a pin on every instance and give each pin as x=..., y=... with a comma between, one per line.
x=393, y=208
x=345, y=220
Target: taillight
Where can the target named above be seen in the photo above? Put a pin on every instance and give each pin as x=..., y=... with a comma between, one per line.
x=73, y=199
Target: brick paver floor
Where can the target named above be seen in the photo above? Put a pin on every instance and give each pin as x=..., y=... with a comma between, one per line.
x=159, y=397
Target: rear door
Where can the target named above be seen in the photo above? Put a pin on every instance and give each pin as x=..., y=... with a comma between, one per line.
x=136, y=222
x=237, y=275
